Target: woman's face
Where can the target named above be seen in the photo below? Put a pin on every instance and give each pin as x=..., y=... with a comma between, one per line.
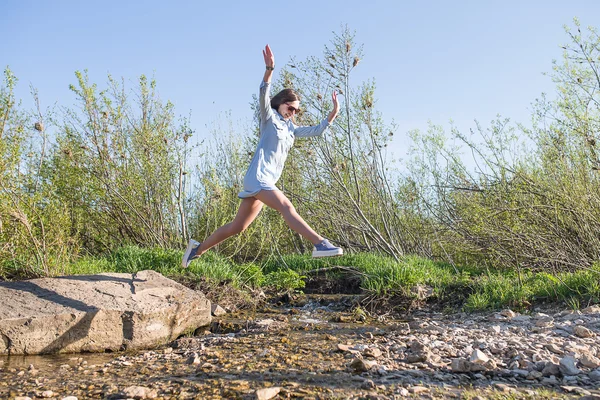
x=287, y=110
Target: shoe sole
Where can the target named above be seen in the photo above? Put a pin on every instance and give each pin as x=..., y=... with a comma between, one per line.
x=191, y=246
x=327, y=253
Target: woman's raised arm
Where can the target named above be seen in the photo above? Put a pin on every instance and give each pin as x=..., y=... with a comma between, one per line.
x=264, y=98
x=317, y=130
x=269, y=63
x=336, y=107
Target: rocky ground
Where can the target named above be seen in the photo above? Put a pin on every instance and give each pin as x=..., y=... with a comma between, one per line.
x=323, y=351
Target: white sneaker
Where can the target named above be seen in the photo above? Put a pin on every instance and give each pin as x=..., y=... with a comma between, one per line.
x=190, y=253
x=326, y=249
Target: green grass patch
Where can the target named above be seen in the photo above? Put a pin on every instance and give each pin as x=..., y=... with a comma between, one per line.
x=509, y=289
x=473, y=287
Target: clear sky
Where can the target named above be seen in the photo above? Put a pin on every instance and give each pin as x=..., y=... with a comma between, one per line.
x=431, y=60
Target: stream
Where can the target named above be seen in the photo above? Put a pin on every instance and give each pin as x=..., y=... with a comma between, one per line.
x=321, y=347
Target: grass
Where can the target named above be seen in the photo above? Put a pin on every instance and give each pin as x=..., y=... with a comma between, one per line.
x=494, y=394
x=475, y=288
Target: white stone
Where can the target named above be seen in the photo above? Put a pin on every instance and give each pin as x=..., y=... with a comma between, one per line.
x=216, y=310
x=478, y=357
x=539, y=315
x=267, y=393
x=140, y=392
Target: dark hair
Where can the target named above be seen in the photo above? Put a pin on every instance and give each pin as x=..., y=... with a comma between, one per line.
x=285, y=96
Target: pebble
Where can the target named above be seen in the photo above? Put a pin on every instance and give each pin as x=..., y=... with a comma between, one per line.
x=504, y=387
x=583, y=332
x=360, y=365
x=576, y=389
x=521, y=318
x=554, y=348
x=368, y=384
x=551, y=369
x=567, y=366
x=418, y=389
x=194, y=359
x=217, y=310
x=595, y=375
x=139, y=392
x=551, y=380
x=591, y=310
x=372, y=352
x=588, y=360
x=478, y=357
x=267, y=393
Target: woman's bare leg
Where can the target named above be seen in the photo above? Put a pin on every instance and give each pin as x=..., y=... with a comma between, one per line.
x=278, y=201
x=248, y=211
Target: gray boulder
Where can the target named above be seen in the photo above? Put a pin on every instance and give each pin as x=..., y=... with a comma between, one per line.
x=96, y=313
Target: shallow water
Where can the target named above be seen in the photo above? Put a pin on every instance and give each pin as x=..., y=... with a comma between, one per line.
x=293, y=345
x=244, y=351
x=52, y=361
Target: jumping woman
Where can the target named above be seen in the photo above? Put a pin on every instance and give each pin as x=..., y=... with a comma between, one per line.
x=277, y=134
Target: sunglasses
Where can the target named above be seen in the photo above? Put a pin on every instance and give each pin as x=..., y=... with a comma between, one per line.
x=292, y=109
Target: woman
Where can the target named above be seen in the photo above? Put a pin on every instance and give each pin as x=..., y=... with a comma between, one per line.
x=277, y=133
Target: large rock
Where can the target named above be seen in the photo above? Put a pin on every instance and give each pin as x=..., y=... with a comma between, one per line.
x=95, y=313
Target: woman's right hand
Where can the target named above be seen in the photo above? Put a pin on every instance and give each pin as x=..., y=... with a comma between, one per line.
x=269, y=58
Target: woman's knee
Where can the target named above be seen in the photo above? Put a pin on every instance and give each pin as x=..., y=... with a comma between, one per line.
x=287, y=208
x=238, y=227
x=235, y=228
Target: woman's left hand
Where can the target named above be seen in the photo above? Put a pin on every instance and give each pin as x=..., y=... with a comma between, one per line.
x=336, y=107
x=269, y=57
x=336, y=104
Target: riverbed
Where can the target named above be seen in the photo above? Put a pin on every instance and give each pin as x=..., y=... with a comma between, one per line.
x=325, y=347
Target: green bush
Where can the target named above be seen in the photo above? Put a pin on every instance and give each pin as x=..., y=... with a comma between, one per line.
x=285, y=279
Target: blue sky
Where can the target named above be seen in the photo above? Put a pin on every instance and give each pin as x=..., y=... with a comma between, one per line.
x=431, y=60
